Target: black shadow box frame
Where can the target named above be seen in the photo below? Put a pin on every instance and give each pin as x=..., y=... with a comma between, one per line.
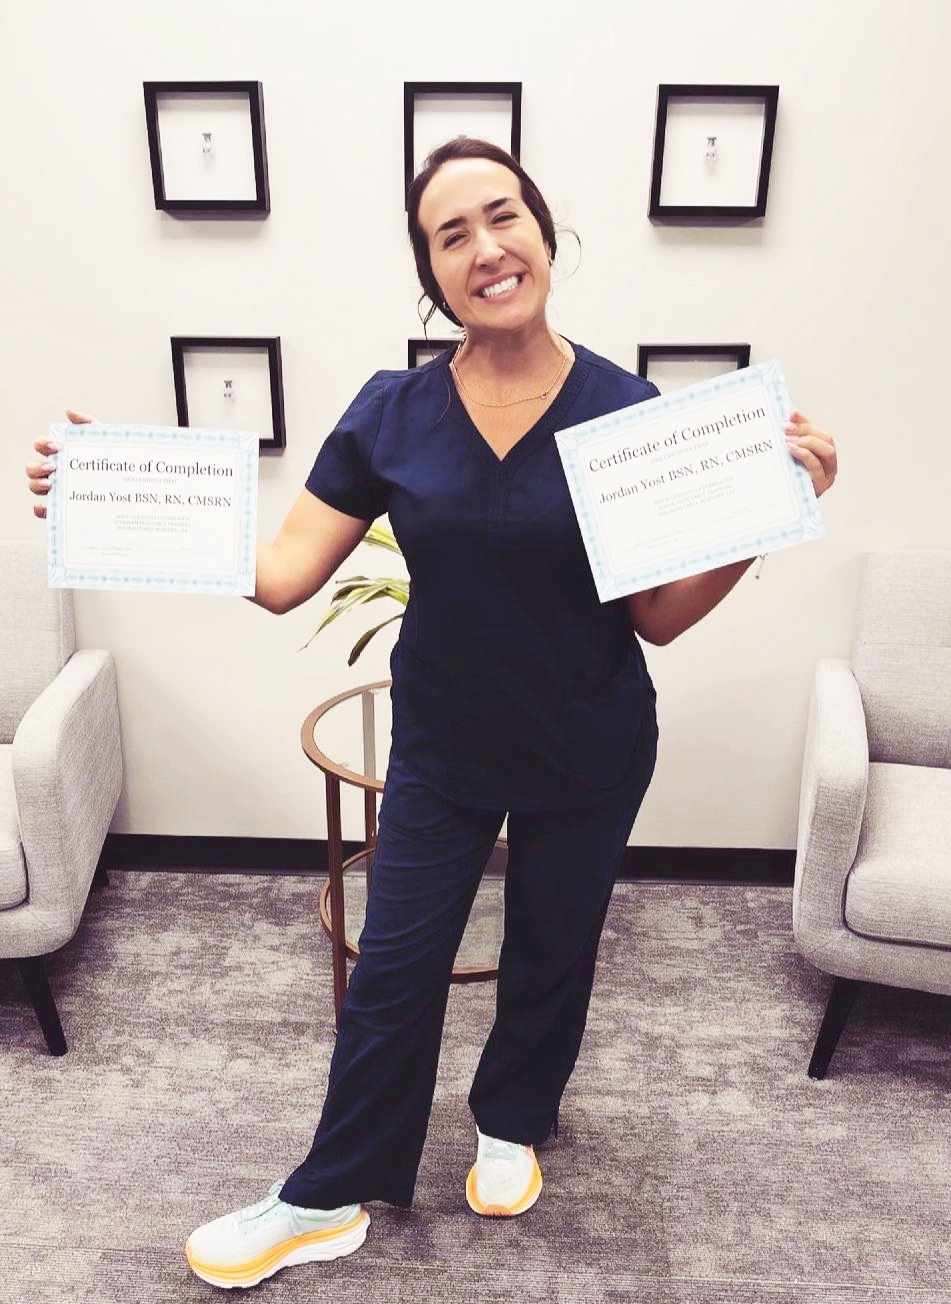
x=253, y=89
x=418, y=346
x=412, y=89
x=667, y=91
x=271, y=343
x=741, y=352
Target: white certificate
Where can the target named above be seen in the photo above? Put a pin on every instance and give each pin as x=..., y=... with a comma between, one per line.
x=164, y=508
x=684, y=483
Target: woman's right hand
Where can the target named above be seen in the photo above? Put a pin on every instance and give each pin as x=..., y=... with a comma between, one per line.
x=40, y=474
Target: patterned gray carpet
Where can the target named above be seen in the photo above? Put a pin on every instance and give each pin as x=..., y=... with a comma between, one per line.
x=697, y=1163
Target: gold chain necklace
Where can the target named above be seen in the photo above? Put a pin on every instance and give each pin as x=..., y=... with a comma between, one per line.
x=531, y=397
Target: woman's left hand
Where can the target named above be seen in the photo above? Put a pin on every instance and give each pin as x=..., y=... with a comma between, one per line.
x=814, y=449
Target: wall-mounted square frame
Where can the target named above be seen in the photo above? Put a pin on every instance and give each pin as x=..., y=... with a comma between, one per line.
x=418, y=348
x=270, y=344
x=744, y=127
x=243, y=160
x=739, y=354
x=461, y=88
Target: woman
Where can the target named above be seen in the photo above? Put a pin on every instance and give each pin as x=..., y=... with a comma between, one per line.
x=514, y=691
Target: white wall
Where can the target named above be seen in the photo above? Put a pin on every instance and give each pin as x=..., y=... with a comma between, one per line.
x=846, y=282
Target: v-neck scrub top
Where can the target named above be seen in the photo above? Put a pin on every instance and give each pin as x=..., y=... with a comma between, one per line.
x=513, y=686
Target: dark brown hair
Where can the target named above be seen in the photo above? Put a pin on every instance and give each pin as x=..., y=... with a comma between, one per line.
x=466, y=147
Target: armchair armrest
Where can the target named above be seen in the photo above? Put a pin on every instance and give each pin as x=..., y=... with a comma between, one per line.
x=67, y=776
x=831, y=809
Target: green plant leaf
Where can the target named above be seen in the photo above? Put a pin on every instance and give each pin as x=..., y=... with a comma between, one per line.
x=399, y=587
x=350, y=586
x=364, y=639
x=356, y=589
x=378, y=536
x=365, y=593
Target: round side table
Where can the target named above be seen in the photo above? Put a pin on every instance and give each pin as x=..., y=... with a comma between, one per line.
x=327, y=737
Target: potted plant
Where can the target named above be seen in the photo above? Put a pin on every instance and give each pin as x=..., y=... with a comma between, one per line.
x=360, y=588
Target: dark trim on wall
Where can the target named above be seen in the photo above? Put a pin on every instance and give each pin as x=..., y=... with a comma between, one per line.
x=202, y=855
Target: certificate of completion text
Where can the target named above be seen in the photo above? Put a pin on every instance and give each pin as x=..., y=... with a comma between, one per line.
x=689, y=481
x=164, y=508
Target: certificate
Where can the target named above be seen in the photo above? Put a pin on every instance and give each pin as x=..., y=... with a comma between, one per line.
x=163, y=508
x=684, y=483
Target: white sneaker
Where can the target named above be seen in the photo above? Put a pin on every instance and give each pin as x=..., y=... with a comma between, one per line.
x=505, y=1178
x=244, y=1247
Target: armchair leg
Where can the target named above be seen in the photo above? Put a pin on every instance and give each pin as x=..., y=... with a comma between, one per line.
x=33, y=971
x=841, y=999
x=100, y=878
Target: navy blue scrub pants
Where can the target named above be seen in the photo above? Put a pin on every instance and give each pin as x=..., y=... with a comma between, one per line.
x=430, y=856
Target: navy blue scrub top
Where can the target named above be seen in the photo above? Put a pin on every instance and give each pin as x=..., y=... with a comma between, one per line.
x=513, y=686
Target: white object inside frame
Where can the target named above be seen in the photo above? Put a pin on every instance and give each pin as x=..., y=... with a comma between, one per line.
x=206, y=144
x=731, y=176
x=229, y=387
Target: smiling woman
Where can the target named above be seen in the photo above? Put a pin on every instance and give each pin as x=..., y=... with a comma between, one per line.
x=478, y=221
x=504, y=647
x=514, y=691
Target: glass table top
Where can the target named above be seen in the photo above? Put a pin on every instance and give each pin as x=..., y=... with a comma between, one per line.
x=356, y=732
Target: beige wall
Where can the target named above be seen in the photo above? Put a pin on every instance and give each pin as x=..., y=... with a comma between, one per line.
x=846, y=282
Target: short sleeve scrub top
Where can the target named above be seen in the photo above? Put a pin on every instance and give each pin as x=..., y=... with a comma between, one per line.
x=513, y=686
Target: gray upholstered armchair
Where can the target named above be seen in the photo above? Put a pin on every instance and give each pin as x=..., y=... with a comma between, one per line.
x=60, y=770
x=872, y=890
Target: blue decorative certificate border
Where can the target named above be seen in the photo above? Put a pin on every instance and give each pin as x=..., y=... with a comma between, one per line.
x=241, y=580
x=573, y=441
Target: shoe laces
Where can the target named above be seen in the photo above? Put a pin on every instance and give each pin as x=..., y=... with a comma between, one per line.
x=262, y=1206
x=494, y=1149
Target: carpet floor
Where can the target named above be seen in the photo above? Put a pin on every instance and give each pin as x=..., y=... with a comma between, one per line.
x=696, y=1162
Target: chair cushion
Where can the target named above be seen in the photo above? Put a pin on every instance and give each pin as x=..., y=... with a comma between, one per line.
x=37, y=632
x=899, y=887
x=12, y=864
x=901, y=655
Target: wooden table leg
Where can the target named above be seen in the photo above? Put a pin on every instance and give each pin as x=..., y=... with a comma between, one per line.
x=338, y=923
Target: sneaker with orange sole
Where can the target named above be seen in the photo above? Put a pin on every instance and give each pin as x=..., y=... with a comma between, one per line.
x=505, y=1178
x=244, y=1247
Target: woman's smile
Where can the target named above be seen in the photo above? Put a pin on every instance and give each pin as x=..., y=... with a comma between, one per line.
x=505, y=295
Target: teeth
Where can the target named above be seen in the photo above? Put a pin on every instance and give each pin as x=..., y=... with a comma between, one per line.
x=500, y=288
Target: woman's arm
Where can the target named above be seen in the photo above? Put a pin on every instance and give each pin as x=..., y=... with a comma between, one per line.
x=313, y=541
x=268, y=577
x=681, y=603
x=674, y=607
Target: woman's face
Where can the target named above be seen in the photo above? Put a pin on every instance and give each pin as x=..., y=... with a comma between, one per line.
x=483, y=244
